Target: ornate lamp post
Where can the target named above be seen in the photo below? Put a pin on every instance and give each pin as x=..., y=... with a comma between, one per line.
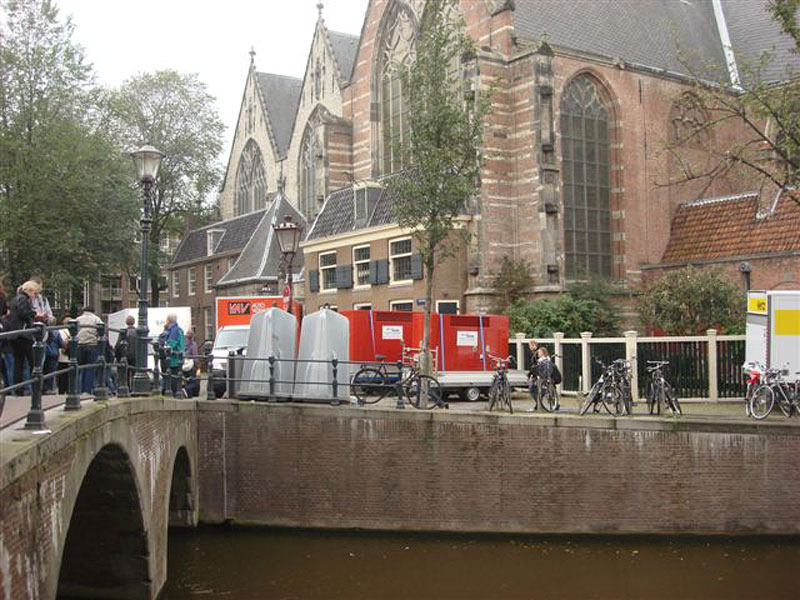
x=288, y=234
x=146, y=160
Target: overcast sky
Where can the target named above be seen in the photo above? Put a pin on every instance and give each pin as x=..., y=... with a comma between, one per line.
x=211, y=39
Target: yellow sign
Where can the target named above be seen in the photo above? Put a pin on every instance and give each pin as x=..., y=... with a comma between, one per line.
x=757, y=304
x=787, y=322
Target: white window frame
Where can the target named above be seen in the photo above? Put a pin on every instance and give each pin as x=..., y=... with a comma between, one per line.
x=356, y=285
x=457, y=303
x=210, y=329
x=392, y=257
x=210, y=235
x=333, y=307
x=392, y=304
x=322, y=288
x=191, y=281
x=362, y=306
x=176, y=283
x=208, y=277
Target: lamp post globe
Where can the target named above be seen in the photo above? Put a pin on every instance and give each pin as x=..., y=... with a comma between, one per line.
x=146, y=161
x=288, y=234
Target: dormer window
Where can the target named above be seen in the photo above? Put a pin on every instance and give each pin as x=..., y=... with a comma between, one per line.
x=213, y=238
x=365, y=197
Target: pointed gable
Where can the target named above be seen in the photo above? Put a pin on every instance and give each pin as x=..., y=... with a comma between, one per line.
x=281, y=95
x=344, y=48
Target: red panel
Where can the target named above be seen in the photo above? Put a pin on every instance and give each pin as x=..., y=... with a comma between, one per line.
x=468, y=337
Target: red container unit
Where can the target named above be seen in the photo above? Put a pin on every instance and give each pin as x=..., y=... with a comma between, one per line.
x=466, y=341
x=379, y=332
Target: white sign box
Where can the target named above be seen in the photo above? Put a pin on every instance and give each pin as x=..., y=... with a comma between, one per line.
x=393, y=332
x=467, y=338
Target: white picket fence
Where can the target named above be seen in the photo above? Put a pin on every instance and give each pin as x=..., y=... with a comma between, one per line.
x=705, y=352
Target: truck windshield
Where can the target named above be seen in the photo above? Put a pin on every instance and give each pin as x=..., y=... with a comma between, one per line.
x=231, y=338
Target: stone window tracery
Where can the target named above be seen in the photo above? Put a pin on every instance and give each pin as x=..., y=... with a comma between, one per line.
x=310, y=172
x=586, y=173
x=251, y=187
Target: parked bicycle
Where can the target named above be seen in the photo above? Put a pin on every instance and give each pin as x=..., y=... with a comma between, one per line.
x=612, y=390
x=500, y=389
x=753, y=369
x=659, y=391
x=373, y=383
x=547, y=377
x=775, y=390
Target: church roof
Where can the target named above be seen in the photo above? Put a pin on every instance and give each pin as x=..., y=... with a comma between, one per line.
x=282, y=96
x=753, y=32
x=648, y=35
x=731, y=227
x=237, y=232
x=345, y=47
x=261, y=256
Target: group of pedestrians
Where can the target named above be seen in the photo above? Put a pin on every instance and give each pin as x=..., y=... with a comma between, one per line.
x=29, y=306
x=541, y=364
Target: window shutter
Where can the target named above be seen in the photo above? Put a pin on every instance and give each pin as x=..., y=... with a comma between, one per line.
x=416, y=267
x=373, y=272
x=383, y=271
x=344, y=277
x=313, y=280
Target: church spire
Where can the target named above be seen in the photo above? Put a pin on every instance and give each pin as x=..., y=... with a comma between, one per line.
x=252, y=54
x=320, y=6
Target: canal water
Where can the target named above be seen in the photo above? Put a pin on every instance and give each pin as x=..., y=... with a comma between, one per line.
x=219, y=562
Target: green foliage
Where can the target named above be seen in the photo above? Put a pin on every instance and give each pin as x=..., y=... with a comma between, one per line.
x=511, y=284
x=67, y=212
x=175, y=113
x=689, y=301
x=584, y=307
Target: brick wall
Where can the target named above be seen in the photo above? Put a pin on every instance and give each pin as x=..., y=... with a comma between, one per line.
x=316, y=466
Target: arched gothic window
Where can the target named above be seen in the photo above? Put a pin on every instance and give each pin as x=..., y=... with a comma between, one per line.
x=310, y=163
x=251, y=187
x=397, y=52
x=586, y=172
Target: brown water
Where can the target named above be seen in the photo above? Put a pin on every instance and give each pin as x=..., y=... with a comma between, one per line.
x=289, y=564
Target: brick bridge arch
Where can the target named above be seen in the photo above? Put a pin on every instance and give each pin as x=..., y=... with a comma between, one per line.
x=85, y=511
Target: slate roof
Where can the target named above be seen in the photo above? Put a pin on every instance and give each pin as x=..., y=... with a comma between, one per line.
x=730, y=227
x=345, y=47
x=261, y=256
x=238, y=232
x=338, y=214
x=281, y=94
x=644, y=32
x=753, y=32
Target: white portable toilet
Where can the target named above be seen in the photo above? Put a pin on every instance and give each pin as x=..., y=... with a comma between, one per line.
x=773, y=330
x=272, y=333
x=324, y=335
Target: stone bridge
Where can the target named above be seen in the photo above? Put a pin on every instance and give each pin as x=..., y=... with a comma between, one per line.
x=84, y=510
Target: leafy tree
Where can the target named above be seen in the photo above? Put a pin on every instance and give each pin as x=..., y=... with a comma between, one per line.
x=66, y=209
x=584, y=307
x=745, y=130
x=511, y=284
x=175, y=113
x=689, y=301
x=441, y=151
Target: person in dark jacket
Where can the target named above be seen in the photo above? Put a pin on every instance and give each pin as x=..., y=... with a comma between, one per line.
x=6, y=357
x=22, y=316
x=130, y=354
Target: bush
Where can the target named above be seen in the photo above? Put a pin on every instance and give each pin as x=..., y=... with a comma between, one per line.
x=511, y=284
x=689, y=301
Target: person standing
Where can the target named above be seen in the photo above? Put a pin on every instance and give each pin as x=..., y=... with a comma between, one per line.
x=534, y=348
x=22, y=317
x=6, y=356
x=176, y=341
x=130, y=353
x=88, y=351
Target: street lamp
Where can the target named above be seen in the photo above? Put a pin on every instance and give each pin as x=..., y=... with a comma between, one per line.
x=288, y=234
x=146, y=160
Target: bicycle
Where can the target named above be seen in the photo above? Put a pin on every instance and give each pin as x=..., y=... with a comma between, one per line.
x=500, y=389
x=371, y=384
x=612, y=390
x=775, y=388
x=753, y=370
x=659, y=391
x=546, y=393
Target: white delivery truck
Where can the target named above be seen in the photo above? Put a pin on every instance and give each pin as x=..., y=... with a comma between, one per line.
x=773, y=330
x=156, y=317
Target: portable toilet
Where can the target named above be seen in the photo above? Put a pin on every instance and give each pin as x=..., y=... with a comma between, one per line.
x=325, y=334
x=773, y=330
x=272, y=333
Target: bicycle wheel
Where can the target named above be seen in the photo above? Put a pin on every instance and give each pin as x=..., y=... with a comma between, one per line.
x=421, y=390
x=672, y=400
x=369, y=386
x=783, y=403
x=612, y=400
x=505, y=396
x=627, y=399
x=547, y=395
x=494, y=390
x=761, y=402
x=653, y=405
x=591, y=398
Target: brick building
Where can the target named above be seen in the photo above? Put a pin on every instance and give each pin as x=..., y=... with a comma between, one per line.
x=583, y=96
